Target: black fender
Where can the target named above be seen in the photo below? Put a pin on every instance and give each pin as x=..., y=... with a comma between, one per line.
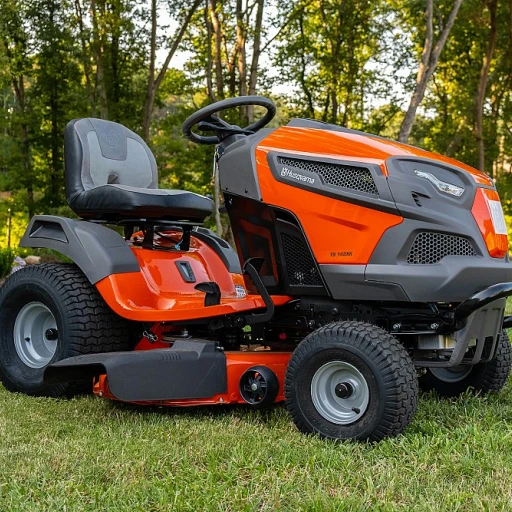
x=97, y=250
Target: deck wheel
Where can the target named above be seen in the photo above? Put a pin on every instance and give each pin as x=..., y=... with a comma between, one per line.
x=259, y=386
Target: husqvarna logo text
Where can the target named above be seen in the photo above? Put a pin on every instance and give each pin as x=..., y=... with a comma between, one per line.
x=287, y=173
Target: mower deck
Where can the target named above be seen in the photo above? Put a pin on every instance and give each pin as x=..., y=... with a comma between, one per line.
x=192, y=372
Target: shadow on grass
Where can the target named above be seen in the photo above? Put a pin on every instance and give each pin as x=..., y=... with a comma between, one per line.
x=435, y=414
x=265, y=414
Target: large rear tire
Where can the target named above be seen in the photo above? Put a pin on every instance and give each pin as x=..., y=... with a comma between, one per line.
x=350, y=380
x=47, y=313
x=482, y=378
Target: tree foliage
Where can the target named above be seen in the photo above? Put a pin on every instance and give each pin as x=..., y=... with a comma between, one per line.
x=358, y=63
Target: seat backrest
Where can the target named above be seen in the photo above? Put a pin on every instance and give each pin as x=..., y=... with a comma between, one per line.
x=98, y=152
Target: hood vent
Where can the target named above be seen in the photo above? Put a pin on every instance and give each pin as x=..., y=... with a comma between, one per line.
x=337, y=175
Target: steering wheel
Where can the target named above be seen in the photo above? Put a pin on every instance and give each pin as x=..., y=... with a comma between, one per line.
x=206, y=121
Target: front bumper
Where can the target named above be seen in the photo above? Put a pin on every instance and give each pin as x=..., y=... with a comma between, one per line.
x=479, y=321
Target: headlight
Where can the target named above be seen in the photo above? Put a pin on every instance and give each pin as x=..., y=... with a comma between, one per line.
x=443, y=186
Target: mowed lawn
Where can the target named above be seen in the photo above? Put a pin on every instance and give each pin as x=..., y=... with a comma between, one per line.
x=90, y=454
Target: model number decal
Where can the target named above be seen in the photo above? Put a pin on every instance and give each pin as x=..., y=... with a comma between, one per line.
x=341, y=254
x=240, y=291
x=287, y=173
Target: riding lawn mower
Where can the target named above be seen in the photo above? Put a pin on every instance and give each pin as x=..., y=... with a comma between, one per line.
x=364, y=270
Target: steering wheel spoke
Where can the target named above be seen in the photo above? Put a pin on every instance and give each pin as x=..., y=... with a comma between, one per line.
x=205, y=120
x=218, y=120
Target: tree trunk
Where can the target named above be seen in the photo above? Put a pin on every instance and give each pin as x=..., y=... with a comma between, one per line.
x=85, y=57
x=55, y=177
x=98, y=49
x=151, y=75
x=334, y=103
x=219, y=83
x=217, y=54
x=154, y=83
x=494, y=136
x=55, y=142
x=256, y=50
x=209, y=59
x=242, y=61
x=303, y=71
x=27, y=166
x=482, y=86
x=115, y=86
x=428, y=64
x=19, y=91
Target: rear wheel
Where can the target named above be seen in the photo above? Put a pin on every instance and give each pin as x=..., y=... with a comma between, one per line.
x=482, y=378
x=350, y=380
x=48, y=313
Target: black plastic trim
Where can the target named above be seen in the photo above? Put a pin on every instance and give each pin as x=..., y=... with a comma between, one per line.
x=384, y=202
x=223, y=250
x=287, y=224
x=212, y=291
x=251, y=268
x=186, y=271
x=453, y=279
x=348, y=282
x=252, y=220
x=507, y=322
x=96, y=249
x=189, y=369
x=484, y=324
x=481, y=299
x=237, y=165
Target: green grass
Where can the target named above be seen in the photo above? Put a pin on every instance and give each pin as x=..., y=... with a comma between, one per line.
x=89, y=454
x=508, y=310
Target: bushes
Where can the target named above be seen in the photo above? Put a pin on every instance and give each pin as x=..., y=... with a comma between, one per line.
x=46, y=255
x=6, y=260
x=7, y=257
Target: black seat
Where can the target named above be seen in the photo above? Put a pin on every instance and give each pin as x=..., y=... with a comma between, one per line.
x=111, y=175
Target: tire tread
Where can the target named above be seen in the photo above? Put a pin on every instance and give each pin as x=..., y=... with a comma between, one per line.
x=93, y=326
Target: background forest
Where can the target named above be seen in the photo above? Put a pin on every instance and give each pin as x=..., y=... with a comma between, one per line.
x=436, y=74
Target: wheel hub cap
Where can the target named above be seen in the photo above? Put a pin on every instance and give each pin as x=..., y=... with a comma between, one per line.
x=35, y=335
x=344, y=390
x=339, y=392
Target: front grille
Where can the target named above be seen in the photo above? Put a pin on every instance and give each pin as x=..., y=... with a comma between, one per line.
x=343, y=176
x=431, y=248
x=301, y=269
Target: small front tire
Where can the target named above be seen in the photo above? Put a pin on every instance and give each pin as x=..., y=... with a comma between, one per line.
x=351, y=380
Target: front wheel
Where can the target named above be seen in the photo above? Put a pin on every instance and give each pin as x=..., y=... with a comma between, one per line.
x=481, y=378
x=48, y=313
x=350, y=380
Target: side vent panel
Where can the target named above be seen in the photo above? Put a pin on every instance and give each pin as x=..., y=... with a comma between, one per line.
x=300, y=266
x=337, y=175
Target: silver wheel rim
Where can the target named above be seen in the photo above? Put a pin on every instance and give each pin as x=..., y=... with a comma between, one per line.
x=340, y=393
x=451, y=375
x=35, y=331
